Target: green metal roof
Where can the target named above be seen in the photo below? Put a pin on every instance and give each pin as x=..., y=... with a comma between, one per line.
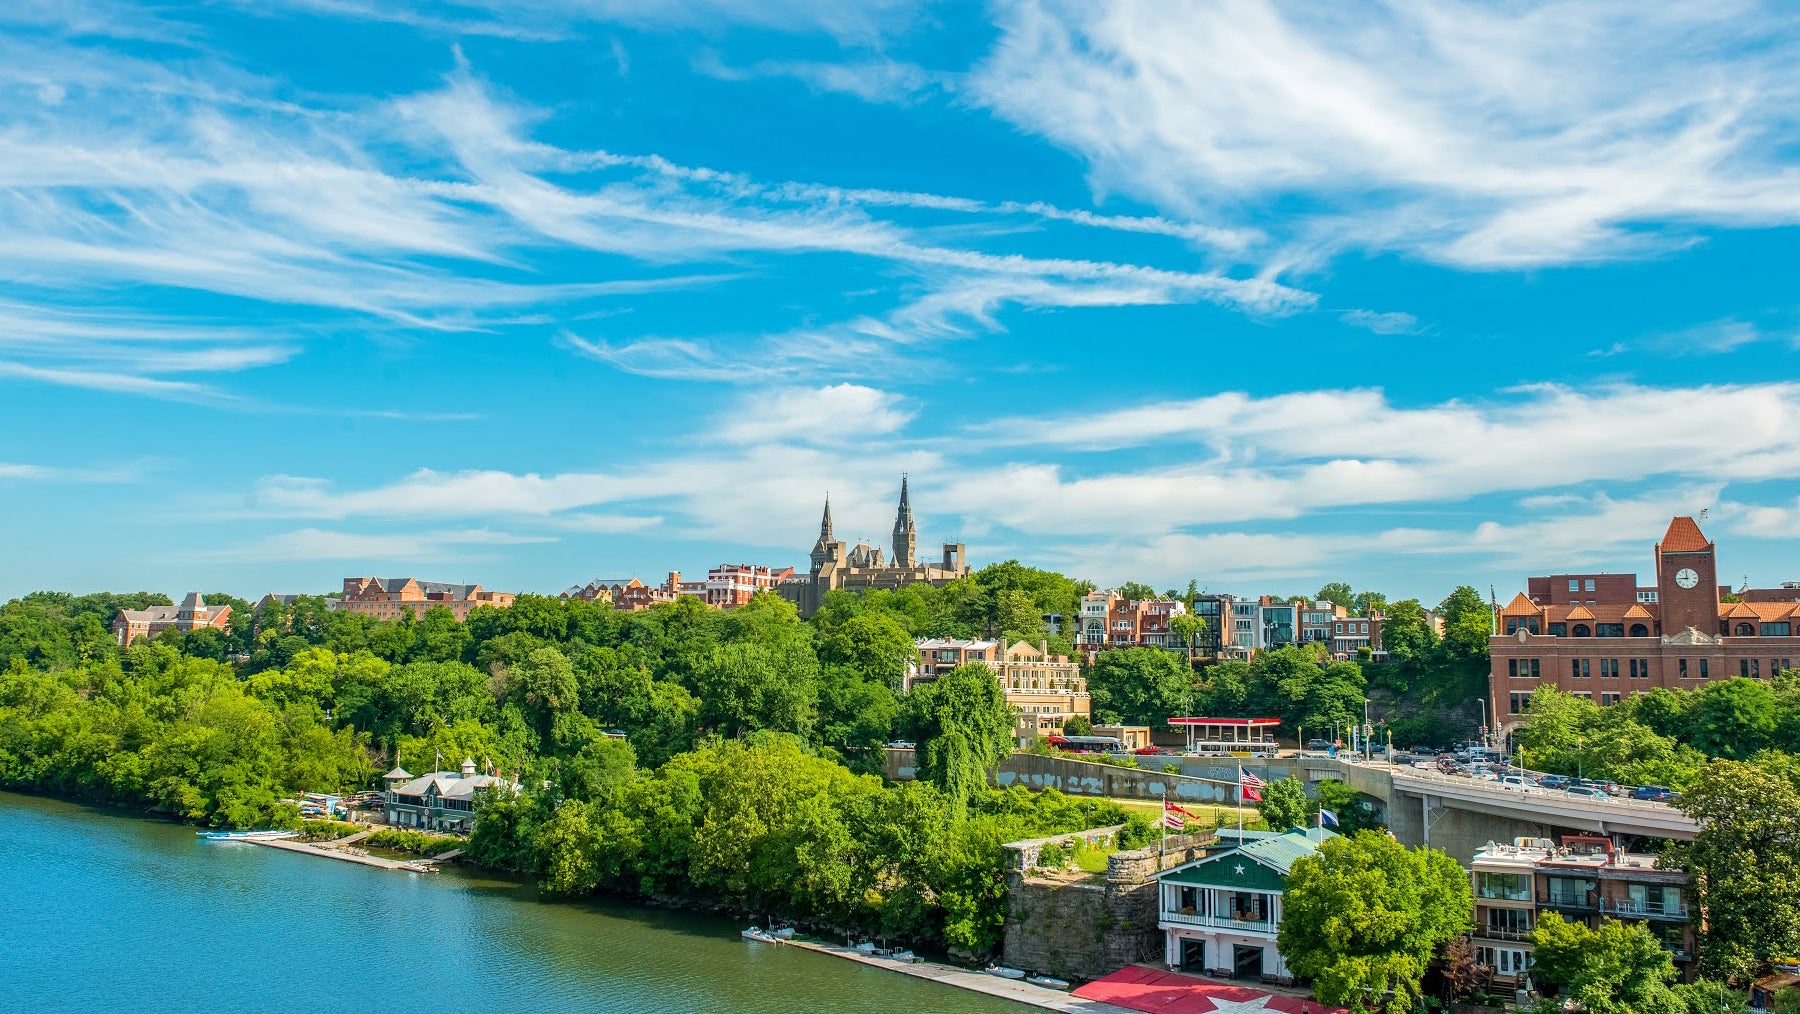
x=1271, y=860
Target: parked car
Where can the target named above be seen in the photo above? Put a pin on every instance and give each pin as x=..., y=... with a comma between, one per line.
x=1520, y=781
x=1318, y=744
x=1555, y=781
x=1586, y=792
x=1657, y=793
x=900, y=744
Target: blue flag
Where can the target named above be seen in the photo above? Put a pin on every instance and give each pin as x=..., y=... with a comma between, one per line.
x=1327, y=818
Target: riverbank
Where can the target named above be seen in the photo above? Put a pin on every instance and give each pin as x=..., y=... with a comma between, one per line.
x=963, y=978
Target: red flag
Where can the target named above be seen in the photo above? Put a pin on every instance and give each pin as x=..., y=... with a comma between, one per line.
x=1172, y=817
x=1249, y=786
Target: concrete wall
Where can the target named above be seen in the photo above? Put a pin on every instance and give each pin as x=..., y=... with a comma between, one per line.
x=1096, y=926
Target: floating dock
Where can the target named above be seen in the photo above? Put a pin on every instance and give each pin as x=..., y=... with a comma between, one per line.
x=975, y=982
x=361, y=859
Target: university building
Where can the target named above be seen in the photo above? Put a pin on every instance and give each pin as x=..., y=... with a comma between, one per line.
x=864, y=567
x=1605, y=637
x=192, y=614
x=386, y=598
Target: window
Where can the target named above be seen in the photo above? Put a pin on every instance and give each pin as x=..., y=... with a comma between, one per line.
x=1574, y=584
x=1519, y=702
x=1581, y=630
x=1639, y=630
x=1634, y=668
x=1512, y=667
x=1776, y=629
x=1745, y=630
x=1559, y=630
x=1534, y=668
x=1703, y=668
x=1609, y=630
x=1750, y=667
x=1588, y=585
x=1511, y=922
x=1609, y=668
x=1608, y=699
x=1503, y=886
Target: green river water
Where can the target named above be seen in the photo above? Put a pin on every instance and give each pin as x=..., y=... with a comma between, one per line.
x=104, y=912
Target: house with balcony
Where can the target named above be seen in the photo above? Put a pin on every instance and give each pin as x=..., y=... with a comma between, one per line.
x=1220, y=914
x=441, y=800
x=1584, y=879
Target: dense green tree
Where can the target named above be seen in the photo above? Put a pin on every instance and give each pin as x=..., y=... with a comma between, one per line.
x=1405, y=634
x=1468, y=623
x=1353, y=809
x=1337, y=593
x=1078, y=725
x=1284, y=804
x=962, y=726
x=1136, y=591
x=876, y=645
x=1363, y=916
x=745, y=686
x=1620, y=968
x=1740, y=865
x=1368, y=603
x=1733, y=718
x=1137, y=686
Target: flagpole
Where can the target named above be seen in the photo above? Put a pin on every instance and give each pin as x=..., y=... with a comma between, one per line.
x=1162, y=826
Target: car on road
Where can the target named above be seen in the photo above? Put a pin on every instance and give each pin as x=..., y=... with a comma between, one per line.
x=1555, y=781
x=900, y=744
x=1318, y=744
x=1655, y=793
x=1519, y=781
x=1586, y=792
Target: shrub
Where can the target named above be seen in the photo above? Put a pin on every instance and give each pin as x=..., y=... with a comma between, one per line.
x=326, y=830
x=1052, y=856
x=417, y=842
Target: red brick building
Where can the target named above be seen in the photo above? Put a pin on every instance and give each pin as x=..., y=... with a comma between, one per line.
x=192, y=614
x=1604, y=637
x=385, y=598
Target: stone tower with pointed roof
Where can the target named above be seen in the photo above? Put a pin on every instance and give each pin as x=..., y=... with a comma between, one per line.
x=837, y=565
x=906, y=537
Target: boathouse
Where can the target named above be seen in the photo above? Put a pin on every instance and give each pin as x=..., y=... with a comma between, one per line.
x=441, y=800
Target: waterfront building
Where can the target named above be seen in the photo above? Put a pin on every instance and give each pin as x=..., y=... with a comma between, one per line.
x=192, y=614
x=1044, y=690
x=836, y=566
x=1584, y=879
x=441, y=800
x=386, y=598
x=1606, y=637
x=1220, y=914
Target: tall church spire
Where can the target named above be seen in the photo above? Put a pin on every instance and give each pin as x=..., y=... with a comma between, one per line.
x=825, y=522
x=905, y=537
x=826, y=548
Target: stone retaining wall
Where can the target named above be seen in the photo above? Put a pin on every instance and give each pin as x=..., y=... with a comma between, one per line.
x=1096, y=926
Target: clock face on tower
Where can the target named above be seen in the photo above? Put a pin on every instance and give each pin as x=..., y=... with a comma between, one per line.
x=1686, y=577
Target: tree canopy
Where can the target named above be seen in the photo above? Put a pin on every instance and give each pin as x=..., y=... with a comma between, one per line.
x=1363, y=916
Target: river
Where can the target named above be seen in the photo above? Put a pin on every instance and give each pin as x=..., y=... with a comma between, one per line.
x=105, y=912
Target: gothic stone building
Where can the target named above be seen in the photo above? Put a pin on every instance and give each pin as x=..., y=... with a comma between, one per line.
x=1603, y=637
x=860, y=568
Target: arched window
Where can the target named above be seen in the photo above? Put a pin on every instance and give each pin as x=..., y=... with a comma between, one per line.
x=1746, y=630
x=1581, y=630
x=1639, y=630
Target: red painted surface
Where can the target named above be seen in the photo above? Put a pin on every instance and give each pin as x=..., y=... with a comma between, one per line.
x=1155, y=992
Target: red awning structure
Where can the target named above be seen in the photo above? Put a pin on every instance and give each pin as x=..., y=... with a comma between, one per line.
x=1156, y=992
x=1229, y=735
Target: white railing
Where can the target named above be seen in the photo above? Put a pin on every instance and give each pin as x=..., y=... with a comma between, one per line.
x=1220, y=922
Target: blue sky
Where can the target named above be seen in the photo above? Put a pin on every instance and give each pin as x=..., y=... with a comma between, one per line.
x=1263, y=295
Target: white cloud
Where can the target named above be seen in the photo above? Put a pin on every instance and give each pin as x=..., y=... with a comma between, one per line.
x=840, y=413
x=1470, y=134
x=1381, y=323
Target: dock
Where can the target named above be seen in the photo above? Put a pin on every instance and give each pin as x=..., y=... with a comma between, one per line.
x=329, y=852
x=975, y=982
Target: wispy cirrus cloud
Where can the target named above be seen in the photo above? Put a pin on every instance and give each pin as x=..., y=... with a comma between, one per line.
x=1471, y=135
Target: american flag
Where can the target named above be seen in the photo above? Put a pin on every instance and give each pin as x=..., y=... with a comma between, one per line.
x=1249, y=786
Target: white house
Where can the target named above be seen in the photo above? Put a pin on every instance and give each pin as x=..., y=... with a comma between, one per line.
x=1223, y=911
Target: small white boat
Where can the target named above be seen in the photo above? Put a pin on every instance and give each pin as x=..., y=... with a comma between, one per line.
x=865, y=948
x=904, y=956
x=1004, y=972
x=247, y=835
x=782, y=932
x=759, y=935
x=1047, y=981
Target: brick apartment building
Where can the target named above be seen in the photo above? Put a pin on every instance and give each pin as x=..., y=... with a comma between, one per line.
x=192, y=614
x=730, y=585
x=386, y=598
x=1603, y=636
x=1584, y=880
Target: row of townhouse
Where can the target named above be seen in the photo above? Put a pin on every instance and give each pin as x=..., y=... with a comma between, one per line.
x=727, y=586
x=1221, y=914
x=1237, y=627
x=1109, y=620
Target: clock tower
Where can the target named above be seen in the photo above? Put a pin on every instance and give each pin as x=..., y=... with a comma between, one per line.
x=1687, y=580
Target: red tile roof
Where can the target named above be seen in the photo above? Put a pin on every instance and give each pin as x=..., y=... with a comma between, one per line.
x=1683, y=536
